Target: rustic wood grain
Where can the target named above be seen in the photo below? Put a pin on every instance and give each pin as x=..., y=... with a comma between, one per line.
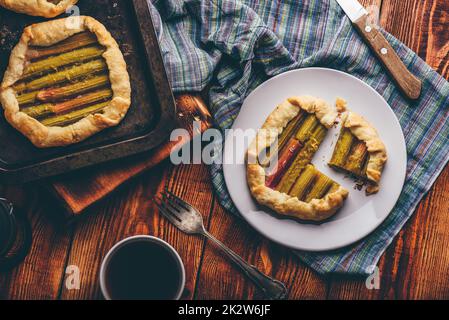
x=132, y=212
x=425, y=255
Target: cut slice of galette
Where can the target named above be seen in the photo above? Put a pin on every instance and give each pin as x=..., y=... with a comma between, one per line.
x=43, y=8
x=279, y=170
x=65, y=83
x=291, y=185
x=359, y=151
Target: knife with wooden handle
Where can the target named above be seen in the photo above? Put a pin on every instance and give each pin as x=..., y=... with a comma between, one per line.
x=408, y=84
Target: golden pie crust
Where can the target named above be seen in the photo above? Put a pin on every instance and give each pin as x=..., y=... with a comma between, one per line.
x=41, y=8
x=50, y=33
x=282, y=203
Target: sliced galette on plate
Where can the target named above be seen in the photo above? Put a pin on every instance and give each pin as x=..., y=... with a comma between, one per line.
x=279, y=170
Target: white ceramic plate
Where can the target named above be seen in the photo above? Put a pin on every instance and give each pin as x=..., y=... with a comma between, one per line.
x=361, y=214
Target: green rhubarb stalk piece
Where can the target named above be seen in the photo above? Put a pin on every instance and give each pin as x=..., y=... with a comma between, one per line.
x=357, y=158
x=302, y=159
x=342, y=148
x=69, y=74
x=335, y=186
x=304, y=182
x=286, y=156
x=49, y=108
x=320, y=188
x=306, y=129
x=27, y=98
x=52, y=63
x=289, y=130
x=70, y=90
x=287, y=133
x=71, y=117
x=54, y=94
x=77, y=41
x=365, y=166
x=39, y=111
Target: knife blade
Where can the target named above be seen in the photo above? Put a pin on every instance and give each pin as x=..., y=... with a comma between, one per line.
x=353, y=9
x=408, y=84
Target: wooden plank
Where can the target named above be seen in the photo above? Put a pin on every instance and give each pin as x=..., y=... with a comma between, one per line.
x=132, y=212
x=367, y=3
x=219, y=279
x=422, y=26
x=425, y=256
x=40, y=275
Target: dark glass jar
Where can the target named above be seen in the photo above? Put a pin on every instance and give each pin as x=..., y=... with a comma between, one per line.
x=15, y=236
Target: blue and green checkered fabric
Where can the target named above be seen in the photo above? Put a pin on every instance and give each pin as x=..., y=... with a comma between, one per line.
x=232, y=46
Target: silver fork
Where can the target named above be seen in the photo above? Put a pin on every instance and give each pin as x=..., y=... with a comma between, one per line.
x=189, y=220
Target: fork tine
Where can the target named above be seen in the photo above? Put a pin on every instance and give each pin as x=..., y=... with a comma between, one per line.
x=167, y=214
x=170, y=218
x=179, y=201
x=177, y=210
x=172, y=203
x=179, y=213
x=163, y=203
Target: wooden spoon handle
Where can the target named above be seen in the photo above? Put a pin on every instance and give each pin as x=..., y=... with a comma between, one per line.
x=409, y=85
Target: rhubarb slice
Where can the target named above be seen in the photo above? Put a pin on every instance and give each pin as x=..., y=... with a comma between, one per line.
x=286, y=156
x=306, y=129
x=302, y=159
x=357, y=158
x=77, y=41
x=52, y=63
x=85, y=100
x=350, y=155
x=342, y=149
x=74, y=116
x=65, y=75
x=54, y=94
x=320, y=188
x=284, y=137
x=304, y=182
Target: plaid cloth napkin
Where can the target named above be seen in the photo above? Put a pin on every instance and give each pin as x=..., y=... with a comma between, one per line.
x=235, y=45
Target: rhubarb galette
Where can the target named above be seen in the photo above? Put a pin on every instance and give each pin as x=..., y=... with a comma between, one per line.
x=43, y=8
x=65, y=83
x=279, y=170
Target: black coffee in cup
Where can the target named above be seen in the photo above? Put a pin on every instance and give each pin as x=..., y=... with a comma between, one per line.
x=141, y=269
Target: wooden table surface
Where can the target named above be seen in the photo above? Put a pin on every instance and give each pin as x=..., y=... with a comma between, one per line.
x=416, y=265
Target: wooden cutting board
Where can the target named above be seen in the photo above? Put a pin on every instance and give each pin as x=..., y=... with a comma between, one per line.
x=81, y=189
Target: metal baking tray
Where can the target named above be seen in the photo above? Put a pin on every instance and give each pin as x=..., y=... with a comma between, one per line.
x=149, y=119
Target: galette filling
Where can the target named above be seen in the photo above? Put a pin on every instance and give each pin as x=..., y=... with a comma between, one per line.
x=293, y=174
x=66, y=82
x=350, y=155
